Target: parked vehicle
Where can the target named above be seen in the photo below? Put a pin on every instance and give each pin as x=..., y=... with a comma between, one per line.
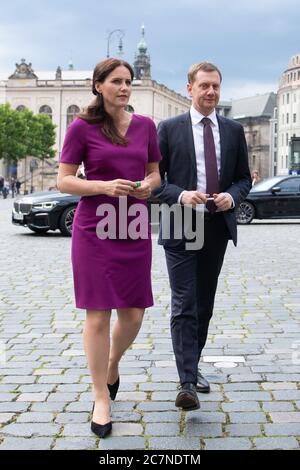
x=272, y=198
x=46, y=210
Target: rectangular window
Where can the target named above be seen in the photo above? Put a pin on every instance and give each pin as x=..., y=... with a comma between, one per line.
x=287, y=98
x=282, y=99
x=169, y=110
x=294, y=117
x=287, y=139
x=287, y=118
x=286, y=161
x=275, y=128
x=295, y=97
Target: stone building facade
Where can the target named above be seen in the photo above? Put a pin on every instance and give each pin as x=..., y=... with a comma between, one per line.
x=288, y=113
x=255, y=113
x=63, y=93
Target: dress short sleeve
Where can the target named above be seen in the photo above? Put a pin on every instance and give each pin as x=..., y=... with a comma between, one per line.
x=154, y=154
x=73, y=150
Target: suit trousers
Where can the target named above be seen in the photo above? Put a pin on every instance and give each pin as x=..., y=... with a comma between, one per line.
x=193, y=278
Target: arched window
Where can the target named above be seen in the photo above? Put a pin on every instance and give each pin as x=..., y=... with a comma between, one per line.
x=71, y=113
x=21, y=107
x=46, y=110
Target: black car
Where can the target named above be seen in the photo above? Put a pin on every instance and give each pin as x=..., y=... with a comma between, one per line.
x=49, y=210
x=272, y=198
x=46, y=210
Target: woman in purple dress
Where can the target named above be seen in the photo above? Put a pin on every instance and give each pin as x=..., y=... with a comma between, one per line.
x=111, y=270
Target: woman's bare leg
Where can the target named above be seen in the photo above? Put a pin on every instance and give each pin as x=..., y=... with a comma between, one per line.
x=124, y=332
x=96, y=345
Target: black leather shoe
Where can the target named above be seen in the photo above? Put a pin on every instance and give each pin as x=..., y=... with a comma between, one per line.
x=113, y=389
x=202, y=384
x=187, y=398
x=101, y=430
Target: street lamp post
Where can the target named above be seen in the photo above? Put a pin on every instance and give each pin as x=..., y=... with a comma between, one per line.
x=33, y=165
x=120, y=33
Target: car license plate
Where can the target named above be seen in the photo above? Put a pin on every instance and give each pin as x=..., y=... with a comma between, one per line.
x=18, y=216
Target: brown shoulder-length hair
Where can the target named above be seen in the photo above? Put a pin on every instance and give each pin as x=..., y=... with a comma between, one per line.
x=95, y=112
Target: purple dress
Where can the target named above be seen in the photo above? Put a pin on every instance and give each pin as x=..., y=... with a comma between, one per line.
x=112, y=272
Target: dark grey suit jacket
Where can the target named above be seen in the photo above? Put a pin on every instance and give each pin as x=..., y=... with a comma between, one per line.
x=178, y=168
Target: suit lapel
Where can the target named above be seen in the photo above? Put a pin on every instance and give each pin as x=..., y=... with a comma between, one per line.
x=188, y=139
x=223, y=144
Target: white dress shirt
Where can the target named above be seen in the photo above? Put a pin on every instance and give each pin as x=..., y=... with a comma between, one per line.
x=197, y=127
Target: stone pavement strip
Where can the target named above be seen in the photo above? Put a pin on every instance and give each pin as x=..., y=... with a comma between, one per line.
x=251, y=359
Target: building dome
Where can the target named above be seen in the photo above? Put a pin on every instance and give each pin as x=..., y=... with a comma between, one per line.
x=294, y=61
x=142, y=65
x=291, y=76
x=142, y=46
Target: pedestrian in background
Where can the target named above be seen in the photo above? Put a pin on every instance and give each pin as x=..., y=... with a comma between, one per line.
x=12, y=186
x=5, y=190
x=1, y=184
x=18, y=186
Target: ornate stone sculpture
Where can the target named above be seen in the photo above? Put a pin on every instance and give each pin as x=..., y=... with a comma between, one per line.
x=23, y=70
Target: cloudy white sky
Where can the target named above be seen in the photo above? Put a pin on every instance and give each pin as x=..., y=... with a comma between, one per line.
x=251, y=41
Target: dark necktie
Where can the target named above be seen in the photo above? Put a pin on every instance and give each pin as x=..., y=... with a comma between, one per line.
x=212, y=177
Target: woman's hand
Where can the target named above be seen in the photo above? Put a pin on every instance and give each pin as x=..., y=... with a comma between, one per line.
x=143, y=191
x=118, y=187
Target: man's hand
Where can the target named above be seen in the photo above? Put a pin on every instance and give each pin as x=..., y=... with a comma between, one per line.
x=193, y=198
x=223, y=201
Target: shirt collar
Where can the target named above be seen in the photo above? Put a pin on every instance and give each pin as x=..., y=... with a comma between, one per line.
x=196, y=116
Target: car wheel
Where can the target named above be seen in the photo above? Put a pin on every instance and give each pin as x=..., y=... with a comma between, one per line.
x=66, y=221
x=245, y=213
x=37, y=229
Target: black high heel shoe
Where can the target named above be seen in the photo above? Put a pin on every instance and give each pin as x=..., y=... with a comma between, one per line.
x=113, y=389
x=101, y=430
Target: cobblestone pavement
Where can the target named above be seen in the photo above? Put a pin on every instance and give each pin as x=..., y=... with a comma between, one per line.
x=251, y=359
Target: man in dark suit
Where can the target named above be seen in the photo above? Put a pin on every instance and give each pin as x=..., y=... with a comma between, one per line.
x=204, y=165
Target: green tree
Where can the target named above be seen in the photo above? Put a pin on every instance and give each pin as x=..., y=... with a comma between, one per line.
x=12, y=131
x=24, y=134
x=45, y=131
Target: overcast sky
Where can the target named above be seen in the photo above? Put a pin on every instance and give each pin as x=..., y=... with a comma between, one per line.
x=251, y=41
